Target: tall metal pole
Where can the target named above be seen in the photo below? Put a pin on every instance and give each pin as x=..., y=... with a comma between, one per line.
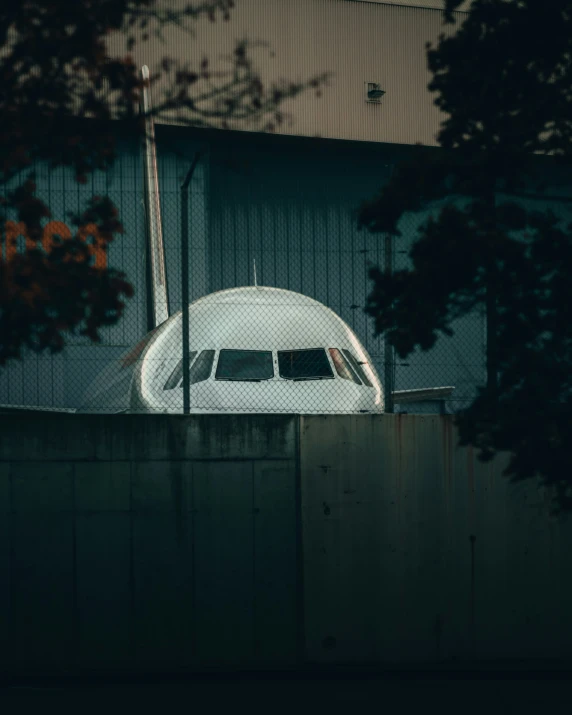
x=157, y=278
x=388, y=379
x=185, y=282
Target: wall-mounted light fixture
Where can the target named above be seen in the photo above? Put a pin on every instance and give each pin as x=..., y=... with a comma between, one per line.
x=373, y=92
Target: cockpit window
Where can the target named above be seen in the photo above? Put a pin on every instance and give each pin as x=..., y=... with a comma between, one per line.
x=244, y=365
x=343, y=368
x=304, y=364
x=176, y=377
x=201, y=368
x=357, y=367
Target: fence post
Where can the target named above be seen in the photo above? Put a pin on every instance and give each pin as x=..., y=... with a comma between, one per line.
x=388, y=378
x=185, y=282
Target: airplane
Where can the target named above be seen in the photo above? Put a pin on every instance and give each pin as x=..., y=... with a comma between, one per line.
x=252, y=349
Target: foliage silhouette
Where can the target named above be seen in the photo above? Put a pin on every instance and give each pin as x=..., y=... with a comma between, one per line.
x=504, y=81
x=63, y=95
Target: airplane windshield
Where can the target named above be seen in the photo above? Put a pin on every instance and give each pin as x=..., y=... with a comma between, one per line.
x=176, y=377
x=304, y=364
x=357, y=366
x=244, y=365
x=343, y=368
x=200, y=370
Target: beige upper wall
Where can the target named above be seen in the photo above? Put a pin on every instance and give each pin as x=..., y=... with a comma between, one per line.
x=355, y=41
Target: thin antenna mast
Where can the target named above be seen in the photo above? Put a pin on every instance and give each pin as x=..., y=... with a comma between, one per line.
x=254, y=266
x=157, y=290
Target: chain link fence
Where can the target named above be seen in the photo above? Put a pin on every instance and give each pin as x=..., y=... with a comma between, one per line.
x=276, y=275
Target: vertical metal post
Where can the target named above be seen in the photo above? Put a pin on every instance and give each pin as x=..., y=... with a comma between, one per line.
x=185, y=283
x=157, y=293
x=185, y=295
x=388, y=379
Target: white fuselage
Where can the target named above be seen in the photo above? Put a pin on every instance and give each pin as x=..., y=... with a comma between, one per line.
x=275, y=330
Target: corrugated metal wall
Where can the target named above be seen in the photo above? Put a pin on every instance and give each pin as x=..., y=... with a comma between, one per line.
x=293, y=210
x=356, y=42
x=59, y=380
x=288, y=203
x=292, y=206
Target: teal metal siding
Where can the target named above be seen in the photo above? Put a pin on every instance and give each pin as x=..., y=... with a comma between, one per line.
x=59, y=380
x=293, y=210
x=290, y=204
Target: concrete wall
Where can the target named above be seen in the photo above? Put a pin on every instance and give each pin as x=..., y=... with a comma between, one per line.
x=155, y=543
x=146, y=544
x=416, y=551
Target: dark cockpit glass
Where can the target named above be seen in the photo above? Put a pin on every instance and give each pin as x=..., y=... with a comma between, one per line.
x=176, y=377
x=343, y=368
x=244, y=365
x=304, y=364
x=357, y=366
x=200, y=369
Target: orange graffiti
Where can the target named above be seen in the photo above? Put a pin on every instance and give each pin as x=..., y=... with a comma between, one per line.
x=53, y=234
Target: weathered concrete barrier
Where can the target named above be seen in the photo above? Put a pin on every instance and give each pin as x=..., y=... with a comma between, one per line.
x=415, y=551
x=147, y=543
x=160, y=543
